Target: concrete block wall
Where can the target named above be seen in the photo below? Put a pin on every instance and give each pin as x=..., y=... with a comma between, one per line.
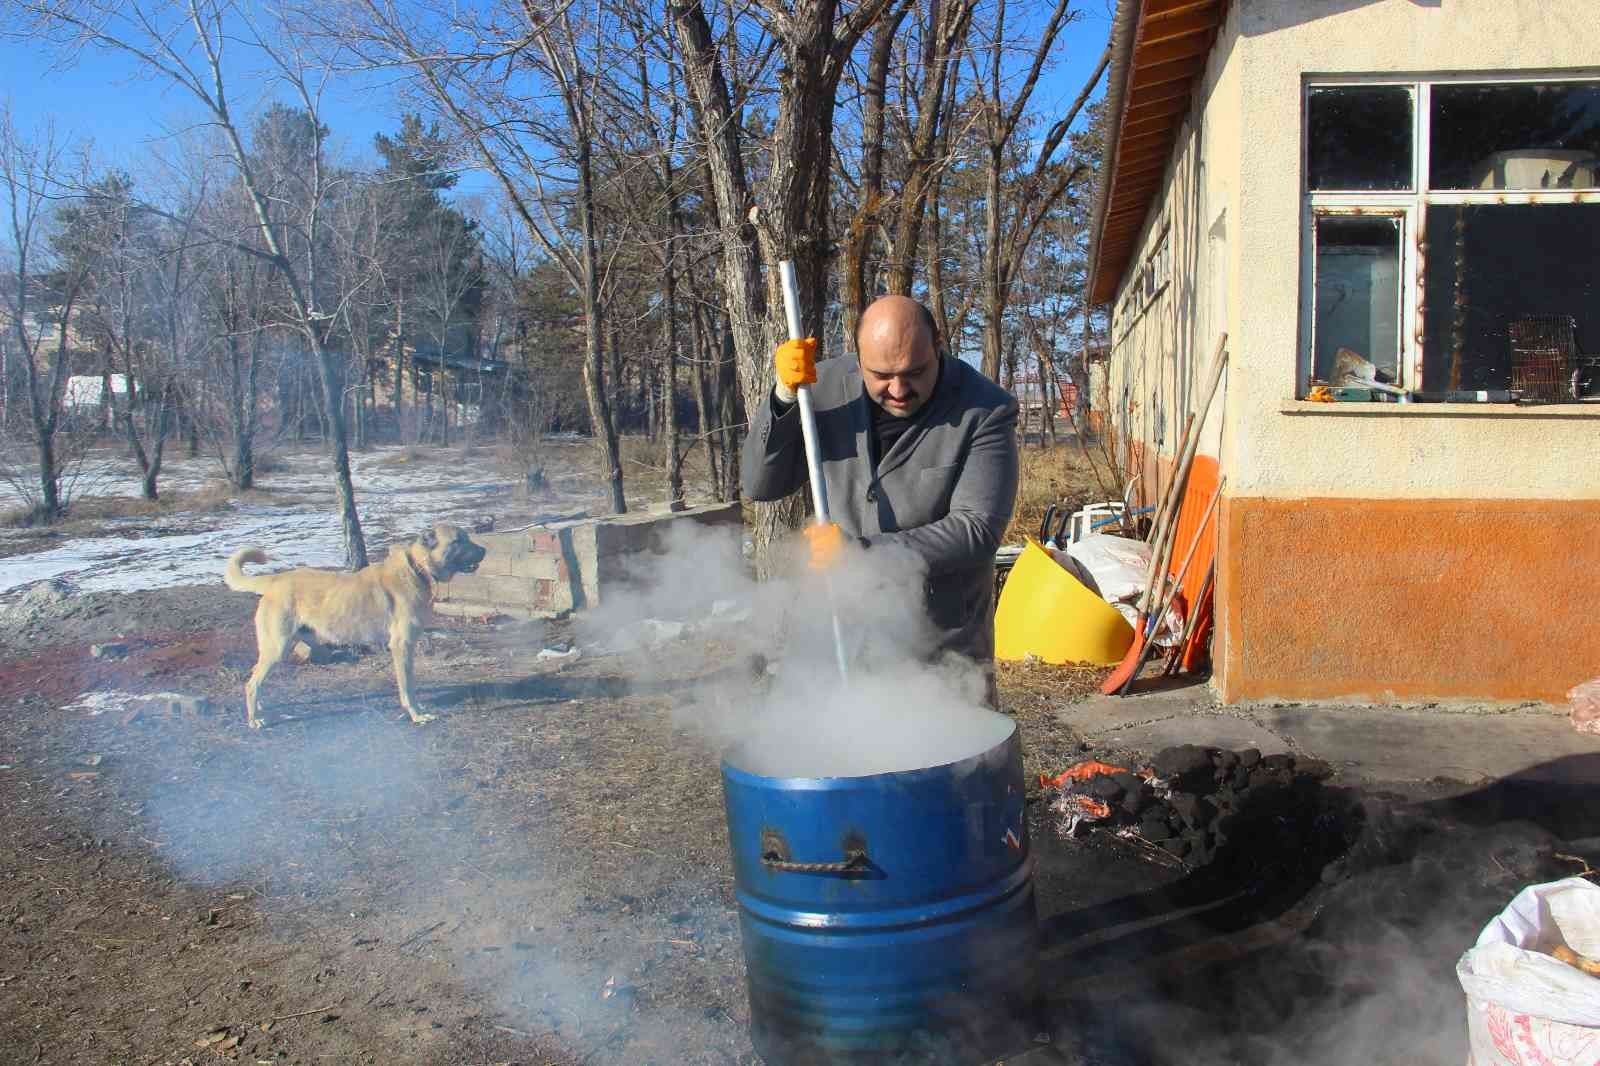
x=547, y=571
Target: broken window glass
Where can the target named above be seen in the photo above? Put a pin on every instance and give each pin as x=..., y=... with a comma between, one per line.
x=1493, y=269
x=1358, y=292
x=1515, y=136
x=1358, y=138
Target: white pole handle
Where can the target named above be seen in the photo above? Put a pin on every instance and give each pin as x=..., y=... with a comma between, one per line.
x=808, y=417
x=808, y=430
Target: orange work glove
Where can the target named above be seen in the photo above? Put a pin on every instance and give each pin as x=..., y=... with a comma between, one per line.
x=827, y=544
x=796, y=363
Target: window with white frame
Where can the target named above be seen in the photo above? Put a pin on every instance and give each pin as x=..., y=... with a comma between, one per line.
x=1452, y=233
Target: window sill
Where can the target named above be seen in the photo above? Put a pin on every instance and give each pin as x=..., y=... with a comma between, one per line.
x=1448, y=410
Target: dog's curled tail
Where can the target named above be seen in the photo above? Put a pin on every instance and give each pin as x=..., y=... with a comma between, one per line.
x=235, y=577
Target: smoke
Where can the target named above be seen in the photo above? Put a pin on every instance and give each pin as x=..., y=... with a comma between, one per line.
x=1355, y=967
x=349, y=820
x=766, y=654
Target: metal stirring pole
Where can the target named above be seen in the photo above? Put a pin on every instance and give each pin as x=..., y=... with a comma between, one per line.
x=808, y=430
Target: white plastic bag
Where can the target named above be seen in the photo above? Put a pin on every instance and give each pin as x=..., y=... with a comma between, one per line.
x=1525, y=1007
x=1118, y=566
x=1585, y=701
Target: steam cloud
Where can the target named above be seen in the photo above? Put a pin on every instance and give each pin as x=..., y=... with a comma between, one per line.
x=897, y=711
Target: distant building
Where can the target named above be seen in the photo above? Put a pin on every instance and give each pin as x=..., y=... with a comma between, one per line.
x=86, y=392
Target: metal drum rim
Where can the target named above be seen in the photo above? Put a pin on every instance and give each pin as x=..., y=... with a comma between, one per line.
x=737, y=774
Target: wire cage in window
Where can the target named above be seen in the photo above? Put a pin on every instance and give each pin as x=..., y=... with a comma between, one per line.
x=1542, y=353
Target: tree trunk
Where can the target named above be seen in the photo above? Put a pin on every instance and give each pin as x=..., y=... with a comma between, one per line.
x=399, y=383
x=993, y=301
x=858, y=239
x=447, y=405
x=701, y=381
x=45, y=407
x=107, y=410
x=745, y=345
x=732, y=409
x=670, y=386
x=49, y=477
x=600, y=413
x=243, y=389
x=193, y=427
x=942, y=37
x=355, y=545
x=136, y=448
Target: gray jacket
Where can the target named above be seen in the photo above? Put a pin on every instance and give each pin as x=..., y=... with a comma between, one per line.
x=945, y=490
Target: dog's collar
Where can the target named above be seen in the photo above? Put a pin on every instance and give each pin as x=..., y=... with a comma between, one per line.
x=415, y=569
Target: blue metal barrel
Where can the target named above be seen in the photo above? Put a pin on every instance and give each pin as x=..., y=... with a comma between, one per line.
x=888, y=917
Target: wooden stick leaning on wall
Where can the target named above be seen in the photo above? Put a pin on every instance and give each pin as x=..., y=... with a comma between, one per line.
x=1166, y=528
x=1191, y=624
x=1171, y=593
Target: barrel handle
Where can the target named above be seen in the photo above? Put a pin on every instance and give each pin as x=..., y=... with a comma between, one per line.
x=854, y=859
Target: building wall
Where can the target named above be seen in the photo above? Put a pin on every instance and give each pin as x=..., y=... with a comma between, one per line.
x=1161, y=352
x=1427, y=551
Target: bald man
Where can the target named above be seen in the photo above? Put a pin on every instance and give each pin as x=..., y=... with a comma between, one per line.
x=918, y=450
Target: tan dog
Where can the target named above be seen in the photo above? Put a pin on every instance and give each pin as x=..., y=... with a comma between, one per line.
x=388, y=601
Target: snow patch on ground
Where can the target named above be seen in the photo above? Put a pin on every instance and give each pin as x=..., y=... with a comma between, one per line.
x=396, y=501
x=94, y=704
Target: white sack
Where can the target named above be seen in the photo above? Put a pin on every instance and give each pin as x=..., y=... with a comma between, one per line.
x=1118, y=566
x=1511, y=967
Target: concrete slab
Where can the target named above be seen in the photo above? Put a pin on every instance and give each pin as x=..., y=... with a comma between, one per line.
x=1368, y=744
x=1206, y=730
x=1099, y=715
x=1376, y=744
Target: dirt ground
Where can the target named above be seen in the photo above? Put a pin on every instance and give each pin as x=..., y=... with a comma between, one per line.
x=541, y=876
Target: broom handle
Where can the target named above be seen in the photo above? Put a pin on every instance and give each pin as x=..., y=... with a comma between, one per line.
x=1192, y=623
x=1168, y=595
x=1161, y=534
x=1180, y=474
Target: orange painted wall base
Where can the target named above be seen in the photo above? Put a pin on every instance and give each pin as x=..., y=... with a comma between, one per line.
x=1407, y=599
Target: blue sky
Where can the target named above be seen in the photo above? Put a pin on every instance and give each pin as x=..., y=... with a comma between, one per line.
x=106, y=98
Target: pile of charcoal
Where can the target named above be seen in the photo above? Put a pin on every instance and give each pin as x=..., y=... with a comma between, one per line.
x=1192, y=801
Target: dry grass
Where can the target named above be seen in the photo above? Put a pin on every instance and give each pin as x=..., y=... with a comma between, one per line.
x=1031, y=692
x=411, y=453
x=644, y=469
x=1050, y=474
x=87, y=515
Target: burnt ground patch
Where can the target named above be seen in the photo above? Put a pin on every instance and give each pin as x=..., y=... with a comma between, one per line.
x=1325, y=929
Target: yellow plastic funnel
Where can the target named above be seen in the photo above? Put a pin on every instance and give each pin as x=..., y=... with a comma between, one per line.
x=1046, y=612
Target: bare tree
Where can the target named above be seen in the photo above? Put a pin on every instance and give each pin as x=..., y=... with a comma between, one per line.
x=448, y=272
x=132, y=307
x=236, y=296
x=1011, y=221
x=289, y=231
x=542, y=157
x=789, y=218
x=43, y=282
x=928, y=67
